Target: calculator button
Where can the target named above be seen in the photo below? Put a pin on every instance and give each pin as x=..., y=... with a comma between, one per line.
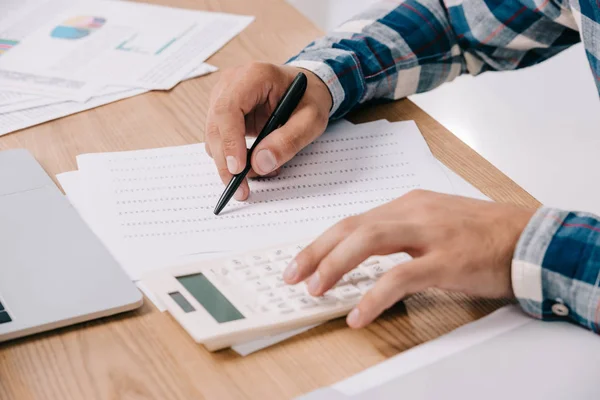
x=326, y=299
x=276, y=281
x=278, y=255
x=375, y=271
x=281, y=308
x=259, y=285
x=304, y=302
x=370, y=261
x=342, y=282
x=296, y=249
x=356, y=275
x=365, y=286
x=399, y=258
x=269, y=269
x=292, y=291
x=347, y=292
x=247, y=274
x=269, y=297
x=256, y=259
x=235, y=264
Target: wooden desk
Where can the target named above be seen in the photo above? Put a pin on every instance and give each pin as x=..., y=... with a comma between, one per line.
x=146, y=354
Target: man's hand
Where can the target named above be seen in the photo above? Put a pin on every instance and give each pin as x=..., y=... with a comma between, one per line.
x=457, y=244
x=240, y=105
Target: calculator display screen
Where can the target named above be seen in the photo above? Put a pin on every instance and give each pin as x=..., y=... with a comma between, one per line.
x=210, y=297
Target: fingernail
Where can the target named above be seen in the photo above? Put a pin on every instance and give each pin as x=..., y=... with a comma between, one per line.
x=265, y=161
x=291, y=271
x=314, y=283
x=353, y=318
x=239, y=194
x=232, y=164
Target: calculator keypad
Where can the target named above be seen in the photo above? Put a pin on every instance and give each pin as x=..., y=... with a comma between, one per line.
x=261, y=276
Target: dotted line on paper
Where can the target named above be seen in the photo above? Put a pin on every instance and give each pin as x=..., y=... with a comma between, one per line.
x=333, y=172
x=160, y=199
x=372, y=146
x=348, y=139
x=161, y=177
x=160, y=167
x=302, y=197
x=162, y=156
x=238, y=227
x=257, y=214
x=268, y=190
x=171, y=187
x=296, y=165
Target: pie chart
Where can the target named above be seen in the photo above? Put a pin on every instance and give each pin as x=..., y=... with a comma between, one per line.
x=77, y=27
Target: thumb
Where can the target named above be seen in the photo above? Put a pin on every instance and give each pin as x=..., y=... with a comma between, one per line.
x=304, y=126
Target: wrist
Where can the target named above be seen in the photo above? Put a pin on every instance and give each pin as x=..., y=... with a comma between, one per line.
x=323, y=82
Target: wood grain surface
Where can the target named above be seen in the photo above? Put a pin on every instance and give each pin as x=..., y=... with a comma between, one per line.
x=146, y=354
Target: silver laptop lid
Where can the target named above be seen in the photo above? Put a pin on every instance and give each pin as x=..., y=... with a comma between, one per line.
x=53, y=270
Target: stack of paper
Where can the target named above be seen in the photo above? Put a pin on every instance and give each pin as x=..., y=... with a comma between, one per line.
x=154, y=208
x=59, y=57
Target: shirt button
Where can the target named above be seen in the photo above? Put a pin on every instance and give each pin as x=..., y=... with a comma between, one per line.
x=560, y=309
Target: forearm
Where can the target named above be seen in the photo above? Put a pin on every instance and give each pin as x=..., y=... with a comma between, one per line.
x=388, y=52
x=398, y=48
x=556, y=267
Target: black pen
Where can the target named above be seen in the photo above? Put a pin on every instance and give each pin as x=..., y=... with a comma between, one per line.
x=288, y=103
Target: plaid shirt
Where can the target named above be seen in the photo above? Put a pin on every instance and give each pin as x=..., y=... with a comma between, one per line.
x=398, y=48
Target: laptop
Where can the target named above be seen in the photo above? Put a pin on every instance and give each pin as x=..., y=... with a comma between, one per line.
x=54, y=271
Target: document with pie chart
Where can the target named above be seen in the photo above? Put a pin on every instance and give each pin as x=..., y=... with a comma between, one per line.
x=68, y=49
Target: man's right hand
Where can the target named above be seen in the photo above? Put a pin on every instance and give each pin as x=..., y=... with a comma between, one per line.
x=240, y=105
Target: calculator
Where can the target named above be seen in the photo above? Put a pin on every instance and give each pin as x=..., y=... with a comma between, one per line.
x=233, y=300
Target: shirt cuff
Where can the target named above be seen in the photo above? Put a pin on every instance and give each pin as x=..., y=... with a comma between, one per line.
x=341, y=73
x=553, y=276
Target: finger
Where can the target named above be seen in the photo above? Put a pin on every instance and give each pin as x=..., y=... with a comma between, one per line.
x=210, y=123
x=306, y=262
x=402, y=280
x=281, y=145
x=368, y=239
x=214, y=142
x=239, y=98
x=243, y=191
x=207, y=149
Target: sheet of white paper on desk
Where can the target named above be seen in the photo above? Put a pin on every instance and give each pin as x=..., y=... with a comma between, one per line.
x=126, y=43
x=7, y=97
x=502, y=356
x=37, y=101
x=500, y=321
x=17, y=120
x=163, y=198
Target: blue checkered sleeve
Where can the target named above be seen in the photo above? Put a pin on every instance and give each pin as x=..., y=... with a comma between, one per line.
x=401, y=47
x=556, y=267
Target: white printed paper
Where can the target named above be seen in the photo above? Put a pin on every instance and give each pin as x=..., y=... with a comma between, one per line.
x=80, y=46
x=13, y=121
x=159, y=203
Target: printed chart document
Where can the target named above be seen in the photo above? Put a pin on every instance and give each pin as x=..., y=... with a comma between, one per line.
x=40, y=112
x=70, y=49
